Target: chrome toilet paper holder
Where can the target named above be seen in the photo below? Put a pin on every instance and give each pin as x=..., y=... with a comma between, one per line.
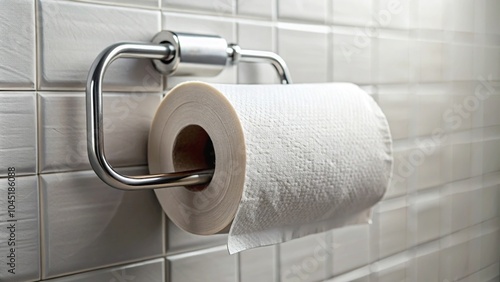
x=181, y=54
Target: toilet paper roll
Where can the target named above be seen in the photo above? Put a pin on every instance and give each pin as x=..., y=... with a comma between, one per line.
x=290, y=160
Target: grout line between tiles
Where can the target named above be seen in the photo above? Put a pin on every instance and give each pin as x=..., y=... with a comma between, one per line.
x=277, y=263
x=198, y=252
x=114, y=4
x=238, y=267
x=41, y=221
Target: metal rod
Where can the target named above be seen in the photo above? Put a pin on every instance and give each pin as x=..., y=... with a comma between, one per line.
x=95, y=133
x=252, y=56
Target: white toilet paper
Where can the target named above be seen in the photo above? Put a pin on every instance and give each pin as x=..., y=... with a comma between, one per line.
x=290, y=160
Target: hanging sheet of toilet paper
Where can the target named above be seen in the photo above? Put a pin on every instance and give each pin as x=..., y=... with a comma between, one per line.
x=290, y=160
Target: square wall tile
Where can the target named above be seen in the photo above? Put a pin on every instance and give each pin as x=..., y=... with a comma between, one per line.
x=17, y=62
x=202, y=25
x=398, y=109
x=491, y=150
x=426, y=267
x=474, y=255
x=306, y=259
x=152, y=270
x=352, y=57
x=461, y=206
x=18, y=132
x=490, y=248
x=19, y=229
x=352, y=12
x=490, y=205
x=402, y=174
x=87, y=224
x=258, y=264
x=459, y=15
x=307, y=65
x=491, y=69
x=393, y=60
x=491, y=115
x=454, y=263
x=438, y=110
x=351, y=248
x=459, y=62
x=394, y=14
x=429, y=61
x=256, y=8
x=180, y=241
x=208, y=265
x=459, y=114
x=420, y=167
x=303, y=10
x=391, y=220
x=492, y=21
x=72, y=34
x=429, y=15
x=256, y=37
x=219, y=7
x=63, y=143
x=460, y=156
x=427, y=210
x=432, y=169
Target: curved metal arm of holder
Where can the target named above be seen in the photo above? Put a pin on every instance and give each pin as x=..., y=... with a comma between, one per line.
x=251, y=56
x=163, y=53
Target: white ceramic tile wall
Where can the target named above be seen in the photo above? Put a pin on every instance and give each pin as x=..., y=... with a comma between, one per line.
x=256, y=8
x=19, y=131
x=433, y=67
x=72, y=34
x=152, y=270
x=62, y=136
x=17, y=64
x=22, y=229
x=86, y=225
x=303, y=10
x=208, y=265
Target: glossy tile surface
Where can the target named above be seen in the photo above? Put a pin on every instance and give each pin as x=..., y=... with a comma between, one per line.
x=180, y=241
x=351, y=12
x=258, y=264
x=63, y=129
x=351, y=58
x=391, y=220
x=306, y=65
x=88, y=224
x=351, y=248
x=210, y=265
x=19, y=229
x=256, y=8
x=18, y=132
x=152, y=270
x=306, y=259
x=302, y=10
x=69, y=44
x=17, y=47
